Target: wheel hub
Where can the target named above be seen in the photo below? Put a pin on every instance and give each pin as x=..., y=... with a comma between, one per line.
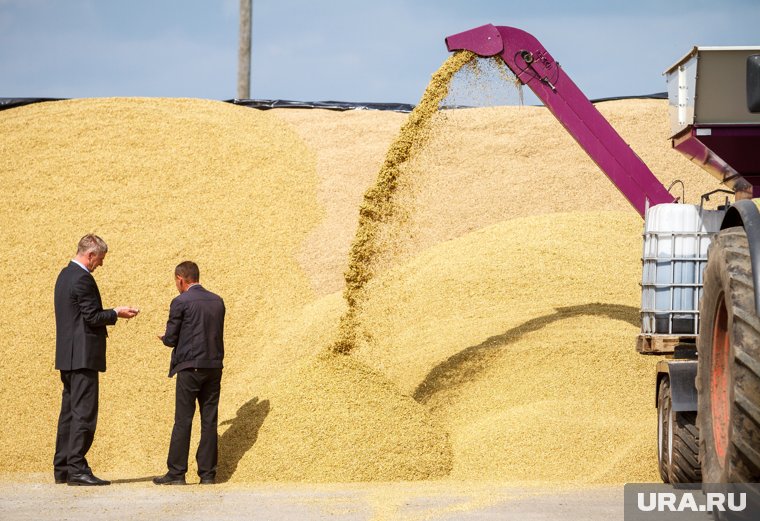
x=719, y=382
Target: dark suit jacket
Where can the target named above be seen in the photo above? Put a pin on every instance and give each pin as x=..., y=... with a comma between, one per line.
x=195, y=330
x=80, y=321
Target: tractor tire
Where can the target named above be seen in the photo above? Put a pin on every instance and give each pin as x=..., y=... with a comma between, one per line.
x=663, y=429
x=728, y=375
x=684, y=448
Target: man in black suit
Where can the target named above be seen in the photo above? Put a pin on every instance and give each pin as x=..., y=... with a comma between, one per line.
x=195, y=330
x=80, y=354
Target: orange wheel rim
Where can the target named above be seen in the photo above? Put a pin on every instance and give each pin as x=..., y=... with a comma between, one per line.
x=719, y=381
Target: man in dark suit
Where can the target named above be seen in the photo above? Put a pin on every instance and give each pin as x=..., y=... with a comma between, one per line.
x=195, y=330
x=80, y=354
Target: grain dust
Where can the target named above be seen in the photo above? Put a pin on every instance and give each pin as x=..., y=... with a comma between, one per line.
x=379, y=204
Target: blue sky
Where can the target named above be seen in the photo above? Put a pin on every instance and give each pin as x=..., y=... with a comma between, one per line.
x=379, y=51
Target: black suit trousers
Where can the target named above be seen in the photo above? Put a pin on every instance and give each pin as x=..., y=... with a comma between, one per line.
x=203, y=385
x=76, y=422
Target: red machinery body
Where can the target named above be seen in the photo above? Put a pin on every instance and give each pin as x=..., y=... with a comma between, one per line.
x=714, y=106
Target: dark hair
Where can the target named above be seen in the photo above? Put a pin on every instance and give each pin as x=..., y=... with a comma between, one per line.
x=188, y=270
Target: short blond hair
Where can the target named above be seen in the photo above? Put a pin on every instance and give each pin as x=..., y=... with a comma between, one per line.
x=92, y=242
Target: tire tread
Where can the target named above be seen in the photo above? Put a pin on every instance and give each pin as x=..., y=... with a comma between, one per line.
x=685, y=466
x=728, y=275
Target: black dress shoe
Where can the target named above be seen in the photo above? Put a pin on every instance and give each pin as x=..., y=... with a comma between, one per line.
x=86, y=480
x=61, y=480
x=166, y=479
x=208, y=481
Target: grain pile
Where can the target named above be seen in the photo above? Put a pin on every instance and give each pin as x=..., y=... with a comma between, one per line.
x=353, y=426
x=502, y=334
x=162, y=181
x=513, y=345
x=479, y=167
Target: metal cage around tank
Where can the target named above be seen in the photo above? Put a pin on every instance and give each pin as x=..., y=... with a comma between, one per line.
x=676, y=241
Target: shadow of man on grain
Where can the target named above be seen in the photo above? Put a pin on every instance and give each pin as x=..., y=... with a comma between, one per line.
x=462, y=366
x=240, y=436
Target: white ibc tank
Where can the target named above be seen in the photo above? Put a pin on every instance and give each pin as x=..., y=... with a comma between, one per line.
x=676, y=238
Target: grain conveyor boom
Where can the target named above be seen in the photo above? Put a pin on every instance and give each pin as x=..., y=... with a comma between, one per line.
x=535, y=67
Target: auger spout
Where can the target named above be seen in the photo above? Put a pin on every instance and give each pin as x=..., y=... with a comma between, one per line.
x=536, y=68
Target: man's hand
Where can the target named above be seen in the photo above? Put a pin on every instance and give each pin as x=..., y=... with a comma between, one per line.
x=160, y=337
x=126, y=312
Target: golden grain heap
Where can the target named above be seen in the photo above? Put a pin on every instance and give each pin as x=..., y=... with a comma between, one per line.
x=499, y=346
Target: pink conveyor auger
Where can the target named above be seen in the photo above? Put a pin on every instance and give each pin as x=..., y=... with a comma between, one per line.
x=536, y=68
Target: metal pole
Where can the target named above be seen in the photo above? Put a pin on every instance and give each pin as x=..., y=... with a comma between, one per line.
x=244, y=53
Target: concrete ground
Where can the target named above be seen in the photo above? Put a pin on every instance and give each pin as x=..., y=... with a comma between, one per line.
x=35, y=498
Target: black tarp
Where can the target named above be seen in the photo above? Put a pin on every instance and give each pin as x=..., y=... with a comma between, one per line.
x=9, y=103
x=266, y=104
x=656, y=95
